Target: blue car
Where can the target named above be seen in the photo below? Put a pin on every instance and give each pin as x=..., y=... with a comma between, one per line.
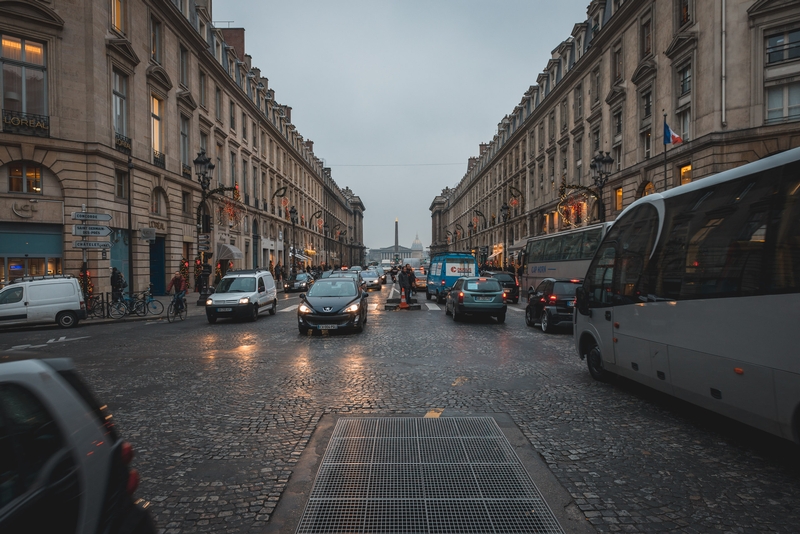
x=445, y=268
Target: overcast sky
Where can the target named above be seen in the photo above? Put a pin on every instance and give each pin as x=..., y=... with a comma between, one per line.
x=398, y=94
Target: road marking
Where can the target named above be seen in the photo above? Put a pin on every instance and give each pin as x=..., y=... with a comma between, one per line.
x=514, y=309
x=288, y=309
x=62, y=339
x=435, y=412
x=432, y=306
x=373, y=306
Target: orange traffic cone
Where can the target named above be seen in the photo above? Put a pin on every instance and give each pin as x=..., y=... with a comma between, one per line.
x=403, y=304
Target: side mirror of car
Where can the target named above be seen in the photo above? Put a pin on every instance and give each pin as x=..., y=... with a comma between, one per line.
x=582, y=301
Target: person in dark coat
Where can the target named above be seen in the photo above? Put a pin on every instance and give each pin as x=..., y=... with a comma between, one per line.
x=117, y=284
x=412, y=281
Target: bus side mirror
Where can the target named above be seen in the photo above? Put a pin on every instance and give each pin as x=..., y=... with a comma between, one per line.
x=582, y=301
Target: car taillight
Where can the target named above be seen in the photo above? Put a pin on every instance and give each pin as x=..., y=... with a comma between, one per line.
x=126, y=452
x=126, y=455
x=442, y=282
x=133, y=481
x=83, y=305
x=553, y=298
x=461, y=297
x=516, y=281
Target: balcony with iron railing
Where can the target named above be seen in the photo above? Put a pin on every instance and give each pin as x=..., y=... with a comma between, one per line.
x=123, y=144
x=159, y=159
x=17, y=122
x=186, y=170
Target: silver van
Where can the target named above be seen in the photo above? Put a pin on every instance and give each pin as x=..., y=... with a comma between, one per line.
x=243, y=295
x=42, y=299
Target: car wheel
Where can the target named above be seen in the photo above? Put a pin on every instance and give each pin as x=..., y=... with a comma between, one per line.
x=501, y=318
x=439, y=299
x=67, y=319
x=446, y=309
x=516, y=300
x=529, y=316
x=456, y=315
x=428, y=296
x=358, y=329
x=211, y=319
x=545, y=322
x=594, y=360
x=274, y=307
x=254, y=313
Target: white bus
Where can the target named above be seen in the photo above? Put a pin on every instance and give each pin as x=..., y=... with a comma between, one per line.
x=696, y=292
x=563, y=255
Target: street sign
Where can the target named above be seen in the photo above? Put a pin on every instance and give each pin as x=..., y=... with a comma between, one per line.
x=85, y=216
x=204, y=238
x=92, y=244
x=203, y=248
x=94, y=231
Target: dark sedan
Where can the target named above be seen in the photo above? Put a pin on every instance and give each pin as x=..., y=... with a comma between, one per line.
x=298, y=282
x=334, y=303
x=509, y=281
x=552, y=303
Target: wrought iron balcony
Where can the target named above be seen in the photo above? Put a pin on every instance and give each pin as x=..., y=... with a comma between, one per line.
x=123, y=144
x=186, y=170
x=26, y=123
x=159, y=159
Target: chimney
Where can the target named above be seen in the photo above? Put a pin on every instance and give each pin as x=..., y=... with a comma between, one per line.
x=288, y=111
x=235, y=37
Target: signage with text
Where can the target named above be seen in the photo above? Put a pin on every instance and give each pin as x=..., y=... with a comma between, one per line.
x=94, y=231
x=92, y=244
x=85, y=216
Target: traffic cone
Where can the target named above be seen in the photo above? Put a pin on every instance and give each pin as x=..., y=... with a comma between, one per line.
x=403, y=304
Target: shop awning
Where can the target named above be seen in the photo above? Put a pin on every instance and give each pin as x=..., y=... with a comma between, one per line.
x=302, y=257
x=228, y=252
x=494, y=255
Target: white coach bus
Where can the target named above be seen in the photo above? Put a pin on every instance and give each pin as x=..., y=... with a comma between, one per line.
x=696, y=292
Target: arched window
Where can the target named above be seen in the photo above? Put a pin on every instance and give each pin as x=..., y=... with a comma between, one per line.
x=158, y=202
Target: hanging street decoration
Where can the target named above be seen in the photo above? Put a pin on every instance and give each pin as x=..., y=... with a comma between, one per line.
x=574, y=199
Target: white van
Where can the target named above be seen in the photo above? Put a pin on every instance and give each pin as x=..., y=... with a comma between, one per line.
x=42, y=299
x=243, y=294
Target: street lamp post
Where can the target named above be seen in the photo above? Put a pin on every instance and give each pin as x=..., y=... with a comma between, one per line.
x=470, y=227
x=325, y=228
x=130, y=230
x=504, y=210
x=601, y=170
x=293, y=216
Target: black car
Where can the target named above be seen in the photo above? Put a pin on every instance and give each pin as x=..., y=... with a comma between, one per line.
x=509, y=281
x=551, y=303
x=333, y=303
x=298, y=282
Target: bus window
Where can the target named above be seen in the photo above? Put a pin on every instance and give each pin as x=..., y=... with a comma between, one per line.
x=552, y=248
x=786, y=274
x=535, y=251
x=571, y=247
x=591, y=239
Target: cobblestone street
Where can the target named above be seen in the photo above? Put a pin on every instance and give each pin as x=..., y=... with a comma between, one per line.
x=220, y=416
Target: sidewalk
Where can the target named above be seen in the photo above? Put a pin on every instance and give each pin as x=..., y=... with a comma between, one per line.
x=191, y=301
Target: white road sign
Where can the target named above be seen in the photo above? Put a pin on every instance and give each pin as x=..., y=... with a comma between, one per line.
x=94, y=231
x=92, y=244
x=85, y=216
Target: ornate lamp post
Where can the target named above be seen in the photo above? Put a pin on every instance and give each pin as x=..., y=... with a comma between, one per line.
x=470, y=228
x=203, y=169
x=325, y=229
x=504, y=211
x=601, y=169
x=293, y=216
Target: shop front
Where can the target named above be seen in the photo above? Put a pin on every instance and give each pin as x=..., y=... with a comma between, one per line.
x=31, y=238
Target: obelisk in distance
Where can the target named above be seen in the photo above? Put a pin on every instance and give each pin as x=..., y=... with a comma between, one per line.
x=396, y=240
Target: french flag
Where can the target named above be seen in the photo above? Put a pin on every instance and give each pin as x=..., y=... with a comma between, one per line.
x=671, y=137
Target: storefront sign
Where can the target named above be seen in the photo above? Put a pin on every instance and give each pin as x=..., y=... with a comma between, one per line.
x=158, y=225
x=26, y=123
x=15, y=210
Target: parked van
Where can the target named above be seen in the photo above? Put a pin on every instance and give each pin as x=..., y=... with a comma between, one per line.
x=42, y=299
x=445, y=269
x=243, y=294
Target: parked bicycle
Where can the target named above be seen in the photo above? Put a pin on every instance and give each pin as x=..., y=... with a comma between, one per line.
x=128, y=305
x=96, y=307
x=151, y=305
x=177, y=309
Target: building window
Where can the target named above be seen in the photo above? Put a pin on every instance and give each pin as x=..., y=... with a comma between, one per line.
x=617, y=123
x=244, y=127
x=684, y=14
x=244, y=179
x=219, y=164
x=204, y=142
x=218, y=103
x=686, y=174
x=158, y=203
x=255, y=136
x=186, y=202
x=647, y=104
x=156, y=124
x=684, y=124
x=24, y=76
x=685, y=79
x=203, y=89
x=551, y=125
x=120, y=96
x=155, y=40
x=617, y=65
x=647, y=38
x=564, y=115
x=783, y=103
x=577, y=149
x=783, y=46
x=596, y=86
x=121, y=184
x=578, y=102
x=595, y=140
x=617, y=157
x=25, y=178
x=647, y=146
x=185, y=155
x=233, y=115
x=541, y=136
x=184, y=56
x=118, y=15
x=618, y=199
x=233, y=168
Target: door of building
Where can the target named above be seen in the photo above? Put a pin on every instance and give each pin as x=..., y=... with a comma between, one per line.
x=158, y=273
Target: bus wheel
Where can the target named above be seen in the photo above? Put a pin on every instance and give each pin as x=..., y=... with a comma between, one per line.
x=594, y=359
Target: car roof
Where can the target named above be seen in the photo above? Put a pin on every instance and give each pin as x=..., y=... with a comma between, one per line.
x=246, y=272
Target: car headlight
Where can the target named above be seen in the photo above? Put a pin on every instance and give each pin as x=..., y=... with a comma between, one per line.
x=209, y=302
x=304, y=309
x=244, y=300
x=303, y=284
x=352, y=308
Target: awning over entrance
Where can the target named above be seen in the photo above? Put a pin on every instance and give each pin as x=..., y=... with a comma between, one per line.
x=228, y=252
x=494, y=255
x=295, y=254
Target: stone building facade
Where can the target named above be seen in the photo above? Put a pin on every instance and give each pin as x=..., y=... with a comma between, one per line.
x=106, y=105
x=723, y=74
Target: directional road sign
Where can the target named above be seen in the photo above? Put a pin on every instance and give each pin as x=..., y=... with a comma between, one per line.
x=92, y=244
x=94, y=231
x=85, y=216
x=203, y=248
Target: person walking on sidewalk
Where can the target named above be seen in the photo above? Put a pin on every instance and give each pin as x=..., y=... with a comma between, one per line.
x=117, y=284
x=179, y=284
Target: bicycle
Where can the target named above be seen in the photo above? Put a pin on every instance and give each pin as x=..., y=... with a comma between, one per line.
x=96, y=307
x=173, y=312
x=128, y=305
x=151, y=305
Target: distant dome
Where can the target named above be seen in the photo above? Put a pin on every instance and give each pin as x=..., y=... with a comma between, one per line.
x=417, y=244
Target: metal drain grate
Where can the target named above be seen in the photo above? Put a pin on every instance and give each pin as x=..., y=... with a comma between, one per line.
x=414, y=475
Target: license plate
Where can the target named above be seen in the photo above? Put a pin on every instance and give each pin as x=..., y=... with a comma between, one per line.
x=484, y=299
x=570, y=304
x=224, y=309
x=328, y=327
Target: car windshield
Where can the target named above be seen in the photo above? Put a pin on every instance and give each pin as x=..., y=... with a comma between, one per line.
x=239, y=284
x=300, y=277
x=565, y=288
x=488, y=284
x=503, y=277
x=367, y=274
x=333, y=288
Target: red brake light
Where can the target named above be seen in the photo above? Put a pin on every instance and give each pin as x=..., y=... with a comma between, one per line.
x=553, y=297
x=460, y=297
x=575, y=281
x=126, y=451
x=516, y=281
x=442, y=282
x=133, y=481
x=504, y=295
